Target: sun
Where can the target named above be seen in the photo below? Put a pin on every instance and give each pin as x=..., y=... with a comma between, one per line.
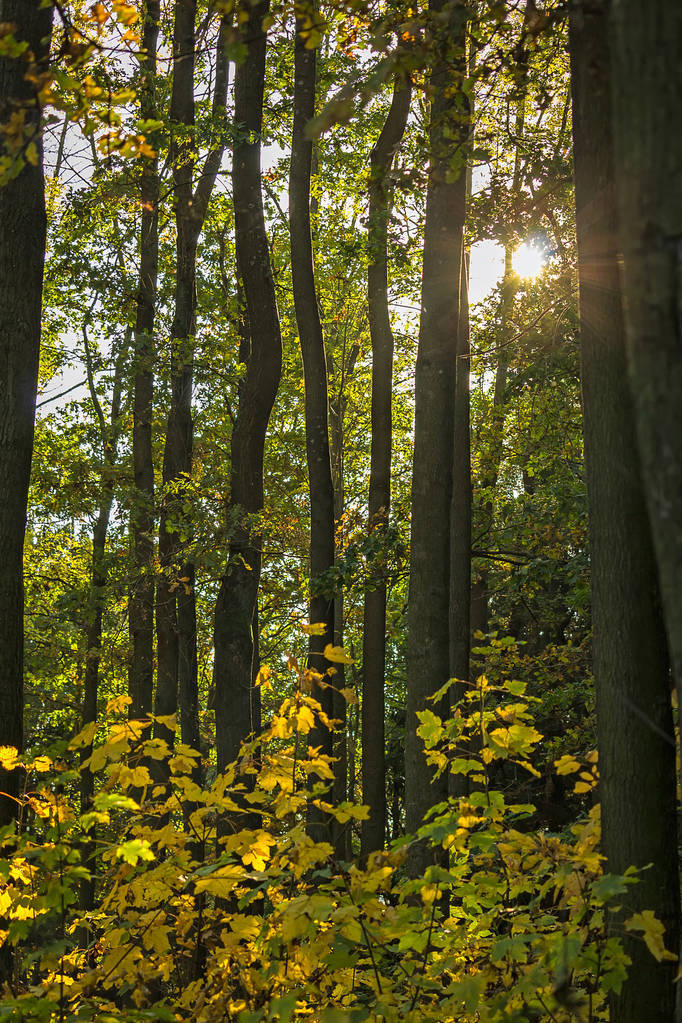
x=529, y=260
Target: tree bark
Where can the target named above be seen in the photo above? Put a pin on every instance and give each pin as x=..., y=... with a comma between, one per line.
x=646, y=90
x=177, y=456
x=480, y=591
x=98, y=582
x=176, y=611
x=460, y=509
x=428, y=649
x=236, y=706
x=141, y=605
x=321, y=607
x=634, y=717
x=374, y=626
x=22, y=256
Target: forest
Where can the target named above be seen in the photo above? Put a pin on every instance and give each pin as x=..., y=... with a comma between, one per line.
x=341, y=459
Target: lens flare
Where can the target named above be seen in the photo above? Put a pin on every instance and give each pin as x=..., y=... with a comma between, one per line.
x=529, y=261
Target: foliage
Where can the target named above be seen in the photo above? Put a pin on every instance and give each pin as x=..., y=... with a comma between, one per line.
x=216, y=904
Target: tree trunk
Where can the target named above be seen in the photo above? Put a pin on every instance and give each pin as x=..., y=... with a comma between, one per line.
x=236, y=708
x=176, y=611
x=342, y=832
x=460, y=509
x=428, y=649
x=141, y=606
x=98, y=582
x=316, y=395
x=177, y=456
x=646, y=91
x=634, y=718
x=22, y=256
x=374, y=626
x=480, y=591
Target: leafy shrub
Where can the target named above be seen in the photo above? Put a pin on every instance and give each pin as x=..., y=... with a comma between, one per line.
x=215, y=904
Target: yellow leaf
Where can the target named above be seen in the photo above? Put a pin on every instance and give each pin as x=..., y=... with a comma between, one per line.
x=314, y=628
x=85, y=736
x=41, y=764
x=566, y=764
x=337, y=655
x=169, y=721
x=305, y=720
x=118, y=704
x=263, y=677
x=221, y=881
x=652, y=931
x=9, y=757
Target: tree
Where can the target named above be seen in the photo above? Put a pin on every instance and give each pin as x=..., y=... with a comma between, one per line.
x=634, y=715
x=428, y=659
x=322, y=546
x=646, y=85
x=236, y=605
x=374, y=624
x=22, y=256
x=141, y=610
x=176, y=600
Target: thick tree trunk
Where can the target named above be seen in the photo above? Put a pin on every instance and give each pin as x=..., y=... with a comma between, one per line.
x=141, y=607
x=428, y=650
x=176, y=611
x=316, y=395
x=634, y=718
x=236, y=708
x=646, y=91
x=22, y=256
x=374, y=627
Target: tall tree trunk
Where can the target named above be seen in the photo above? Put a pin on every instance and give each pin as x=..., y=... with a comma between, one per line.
x=176, y=611
x=98, y=581
x=374, y=626
x=428, y=645
x=646, y=91
x=315, y=374
x=342, y=833
x=337, y=413
x=177, y=455
x=141, y=605
x=634, y=718
x=236, y=708
x=22, y=256
x=480, y=590
x=460, y=509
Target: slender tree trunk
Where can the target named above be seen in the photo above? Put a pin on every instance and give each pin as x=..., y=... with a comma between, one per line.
x=374, y=627
x=460, y=510
x=22, y=256
x=337, y=415
x=141, y=606
x=98, y=582
x=236, y=706
x=342, y=834
x=480, y=591
x=634, y=718
x=428, y=650
x=176, y=610
x=177, y=456
x=315, y=374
